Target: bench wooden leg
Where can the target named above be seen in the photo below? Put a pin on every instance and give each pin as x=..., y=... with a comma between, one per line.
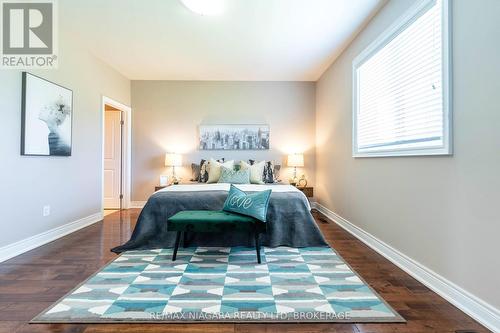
x=177, y=241
x=257, y=246
x=184, y=240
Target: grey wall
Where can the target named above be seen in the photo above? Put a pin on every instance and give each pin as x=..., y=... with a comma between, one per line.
x=166, y=115
x=440, y=211
x=70, y=185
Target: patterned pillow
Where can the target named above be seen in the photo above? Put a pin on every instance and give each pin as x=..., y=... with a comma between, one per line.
x=256, y=171
x=203, y=177
x=233, y=176
x=254, y=204
x=214, y=169
x=271, y=172
x=268, y=172
x=203, y=172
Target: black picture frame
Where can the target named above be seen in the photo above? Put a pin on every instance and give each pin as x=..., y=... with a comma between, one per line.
x=56, y=111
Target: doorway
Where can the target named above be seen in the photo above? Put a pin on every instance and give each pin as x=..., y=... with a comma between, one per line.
x=113, y=157
x=116, y=156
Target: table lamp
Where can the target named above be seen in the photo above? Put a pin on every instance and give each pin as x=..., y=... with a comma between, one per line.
x=173, y=160
x=295, y=160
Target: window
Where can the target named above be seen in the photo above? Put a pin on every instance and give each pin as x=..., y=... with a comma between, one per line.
x=401, y=103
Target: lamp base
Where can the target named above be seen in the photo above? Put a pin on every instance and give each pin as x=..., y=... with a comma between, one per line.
x=294, y=180
x=175, y=180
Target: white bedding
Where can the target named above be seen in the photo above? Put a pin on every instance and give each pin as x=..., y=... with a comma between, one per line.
x=225, y=187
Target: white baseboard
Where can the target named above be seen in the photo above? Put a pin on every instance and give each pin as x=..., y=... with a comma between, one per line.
x=24, y=245
x=137, y=204
x=484, y=313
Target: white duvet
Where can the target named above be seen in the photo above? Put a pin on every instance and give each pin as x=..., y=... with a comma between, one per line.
x=225, y=187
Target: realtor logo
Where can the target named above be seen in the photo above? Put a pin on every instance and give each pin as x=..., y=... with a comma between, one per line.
x=28, y=34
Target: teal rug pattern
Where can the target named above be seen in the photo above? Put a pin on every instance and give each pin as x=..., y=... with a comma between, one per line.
x=223, y=285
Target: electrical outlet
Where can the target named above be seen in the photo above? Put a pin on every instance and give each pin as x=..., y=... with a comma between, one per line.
x=46, y=210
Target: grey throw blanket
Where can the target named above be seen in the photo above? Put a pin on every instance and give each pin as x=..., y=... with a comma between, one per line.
x=289, y=222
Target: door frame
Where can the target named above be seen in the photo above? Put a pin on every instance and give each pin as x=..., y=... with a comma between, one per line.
x=126, y=148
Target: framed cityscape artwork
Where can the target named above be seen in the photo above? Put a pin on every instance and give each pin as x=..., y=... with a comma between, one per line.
x=234, y=137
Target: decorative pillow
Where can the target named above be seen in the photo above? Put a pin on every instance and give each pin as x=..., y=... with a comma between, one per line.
x=195, y=172
x=234, y=176
x=256, y=171
x=214, y=169
x=204, y=170
x=276, y=173
x=254, y=204
x=270, y=173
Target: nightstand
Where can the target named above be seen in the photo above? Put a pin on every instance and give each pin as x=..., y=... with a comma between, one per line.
x=308, y=191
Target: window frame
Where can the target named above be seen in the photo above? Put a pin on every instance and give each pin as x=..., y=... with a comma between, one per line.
x=388, y=35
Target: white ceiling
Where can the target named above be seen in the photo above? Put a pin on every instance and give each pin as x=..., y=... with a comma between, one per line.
x=254, y=40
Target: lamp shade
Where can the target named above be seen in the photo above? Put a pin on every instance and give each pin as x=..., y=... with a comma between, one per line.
x=296, y=160
x=172, y=159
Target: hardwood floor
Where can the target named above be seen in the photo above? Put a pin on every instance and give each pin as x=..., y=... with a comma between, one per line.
x=32, y=281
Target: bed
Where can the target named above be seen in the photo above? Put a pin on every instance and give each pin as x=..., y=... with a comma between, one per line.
x=289, y=220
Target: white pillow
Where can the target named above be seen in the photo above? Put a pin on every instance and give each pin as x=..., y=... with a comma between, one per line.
x=214, y=169
x=256, y=171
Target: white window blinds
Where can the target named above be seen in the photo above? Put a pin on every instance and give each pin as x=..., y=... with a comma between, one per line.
x=399, y=89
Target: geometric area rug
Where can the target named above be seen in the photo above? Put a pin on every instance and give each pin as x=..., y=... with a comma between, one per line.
x=217, y=284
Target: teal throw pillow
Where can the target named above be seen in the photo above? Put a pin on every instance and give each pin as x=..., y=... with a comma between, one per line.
x=253, y=204
x=234, y=176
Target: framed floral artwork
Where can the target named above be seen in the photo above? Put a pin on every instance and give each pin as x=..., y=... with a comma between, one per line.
x=47, y=112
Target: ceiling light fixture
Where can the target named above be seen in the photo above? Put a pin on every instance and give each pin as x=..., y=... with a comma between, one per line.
x=205, y=7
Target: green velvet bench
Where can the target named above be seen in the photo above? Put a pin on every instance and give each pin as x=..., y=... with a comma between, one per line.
x=216, y=222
